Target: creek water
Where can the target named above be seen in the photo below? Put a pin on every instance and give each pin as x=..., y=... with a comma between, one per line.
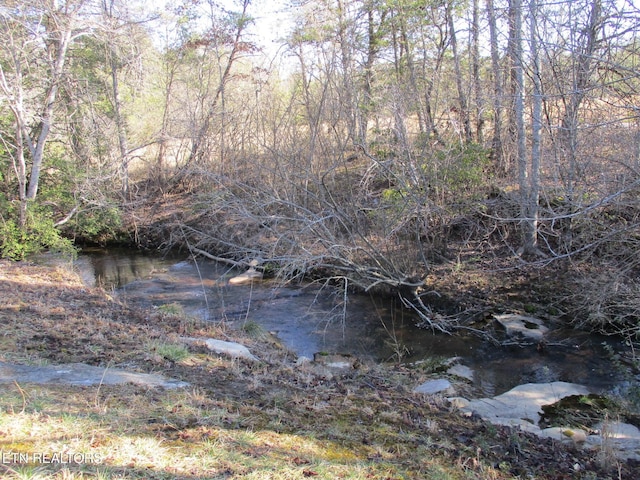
x=310, y=319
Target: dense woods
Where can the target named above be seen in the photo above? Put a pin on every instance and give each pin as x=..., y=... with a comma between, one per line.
x=379, y=138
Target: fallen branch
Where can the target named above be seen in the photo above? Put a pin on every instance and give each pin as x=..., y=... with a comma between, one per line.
x=228, y=261
x=68, y=217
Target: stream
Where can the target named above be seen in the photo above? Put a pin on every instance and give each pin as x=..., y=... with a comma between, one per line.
x=310, y=319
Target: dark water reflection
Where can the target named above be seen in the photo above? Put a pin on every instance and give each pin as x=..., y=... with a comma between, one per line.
x=115, y=268
x=311, y=319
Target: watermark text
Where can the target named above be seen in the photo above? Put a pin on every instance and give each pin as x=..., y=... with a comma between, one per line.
x=9, y=457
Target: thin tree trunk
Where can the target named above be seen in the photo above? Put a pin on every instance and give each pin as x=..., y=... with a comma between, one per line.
x=59, y=47
x=367, y=101
x=120, y=121
x=164, y=129
x=406, y=50
x=531, y=224
x=429, y=78
x=462, y=98
x=581, y=79
x=498, y=90
x=200, y=136
x=20, y=167
x=347, y=74
x=518, y=115
x=19, y=162
x=511, y=83
x=475, y=72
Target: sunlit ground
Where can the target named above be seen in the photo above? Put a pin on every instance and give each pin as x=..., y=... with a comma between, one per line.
x=129, y=432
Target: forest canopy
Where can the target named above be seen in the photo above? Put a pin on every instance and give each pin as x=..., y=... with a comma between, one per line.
x=361, y=141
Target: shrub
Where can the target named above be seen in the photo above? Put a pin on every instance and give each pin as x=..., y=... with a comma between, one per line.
x=39, y=234
x=99, y=225
x=460, y=168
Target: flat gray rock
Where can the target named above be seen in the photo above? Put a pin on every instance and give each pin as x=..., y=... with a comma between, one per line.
x=230, y=349
x=522, y=405
x=622, y=439
x=81, y=374
x=433, y=386
x=246, y=278
x=528, y=327
x=461, y=371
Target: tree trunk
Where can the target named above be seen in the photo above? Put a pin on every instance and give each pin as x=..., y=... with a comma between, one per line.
x=582, y=74
x=407, y=47
x=349, y=104
x=367, y=101
x=462, y=98
x=430, y=68
x=510, y=144
x=18, y=158
x=498, y=91
x=531, y=225
x=475, y=72
x=121, y=125
x=526, y=208
x=20, y=167
x=59, y=47
x=198, y=139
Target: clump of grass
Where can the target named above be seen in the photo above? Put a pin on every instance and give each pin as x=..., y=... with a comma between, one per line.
x=172, y=309
x=187, y=324
x=433, y=364
x=174, y=352
x=252, y=329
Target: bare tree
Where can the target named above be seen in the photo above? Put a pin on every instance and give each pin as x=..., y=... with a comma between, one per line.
x=463, y=106
x=44, y=30
x=475, y=71
x=229, y=46
x=527, y=179
x=584, y=47
x=533, y=184
x=498, y=90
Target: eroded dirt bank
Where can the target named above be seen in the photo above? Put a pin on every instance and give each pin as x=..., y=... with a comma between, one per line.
x=467, y=266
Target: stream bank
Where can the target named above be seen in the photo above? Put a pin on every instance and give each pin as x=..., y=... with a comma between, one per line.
x=272, y=416
x=309, y=319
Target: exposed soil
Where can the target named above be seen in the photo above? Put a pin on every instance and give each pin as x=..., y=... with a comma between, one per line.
x=48, y=315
